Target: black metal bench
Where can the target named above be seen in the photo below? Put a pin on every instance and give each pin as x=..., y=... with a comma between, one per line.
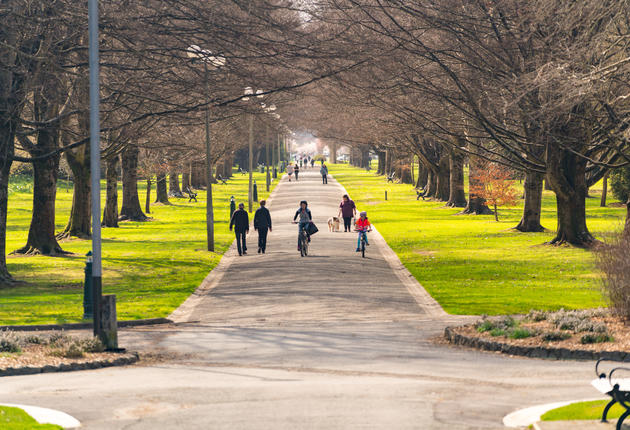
x=420, y=192
x=243, y=172
x=391, y=177
x=617, y=388
x=191, y=195
x=222, y=180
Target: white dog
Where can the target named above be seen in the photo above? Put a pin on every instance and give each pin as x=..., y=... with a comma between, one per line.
x=333, y=223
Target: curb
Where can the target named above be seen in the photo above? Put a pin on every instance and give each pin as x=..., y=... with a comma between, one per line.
x=47, y=416
x=129, y=358
x=531, y=351
x=83, y=326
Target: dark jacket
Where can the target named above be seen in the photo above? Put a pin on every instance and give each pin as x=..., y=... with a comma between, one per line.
x=308, y=212
x=240, y=220
x=262, y=218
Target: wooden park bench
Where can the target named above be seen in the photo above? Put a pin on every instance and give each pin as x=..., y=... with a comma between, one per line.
x=391, y=177
x=191, y=194
x=222, y=180
x=615, y=387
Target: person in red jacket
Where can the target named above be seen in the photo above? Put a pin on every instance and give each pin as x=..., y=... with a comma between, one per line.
x=363, y=226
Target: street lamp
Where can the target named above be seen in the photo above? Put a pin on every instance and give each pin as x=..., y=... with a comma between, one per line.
x=210, y=62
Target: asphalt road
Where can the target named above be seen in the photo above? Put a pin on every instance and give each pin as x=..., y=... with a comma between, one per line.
x=330, y=341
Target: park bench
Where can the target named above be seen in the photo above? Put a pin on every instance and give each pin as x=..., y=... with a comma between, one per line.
x=222, y=180
x=191, y=194
x=615, y=387
x=391, y=177
x=243, y=172
x=420, y=192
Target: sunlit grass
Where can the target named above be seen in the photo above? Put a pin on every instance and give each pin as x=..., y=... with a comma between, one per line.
x=473, y=264
x=151, y=266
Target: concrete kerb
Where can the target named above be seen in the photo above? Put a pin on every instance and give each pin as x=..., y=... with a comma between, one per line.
x=417, y=291
x=48, y=416
x=84, y=326
x=185, y=310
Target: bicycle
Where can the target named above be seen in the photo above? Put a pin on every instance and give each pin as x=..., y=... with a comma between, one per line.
x=303, y=242
x=363, y=241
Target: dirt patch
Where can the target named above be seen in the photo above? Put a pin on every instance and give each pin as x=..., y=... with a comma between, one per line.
x=424, y=252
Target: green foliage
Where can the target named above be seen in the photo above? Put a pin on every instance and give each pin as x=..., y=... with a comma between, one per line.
x=497, y=332
x=473, y=265
x=17, y=419
x=595, y=338
x=152, y=267
x=620, y=183
x=520, y=333
x=591, y=410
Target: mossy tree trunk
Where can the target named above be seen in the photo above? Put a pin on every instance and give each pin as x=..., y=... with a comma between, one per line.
x=457, y=196
x=173, y=184
x=147, y=203
x=160, y=189
x=79, y=224
x=530, y=221
x=131, y=209
x=443, y=179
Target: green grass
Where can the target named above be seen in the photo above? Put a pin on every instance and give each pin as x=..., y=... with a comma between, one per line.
x=475, y=265
x=17, y=419
x=151, y=266
x=582, y=411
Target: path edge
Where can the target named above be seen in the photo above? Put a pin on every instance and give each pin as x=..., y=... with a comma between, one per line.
x=415, y=289
x=184, y=312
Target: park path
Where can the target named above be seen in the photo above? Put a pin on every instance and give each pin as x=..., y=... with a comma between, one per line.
x=330, y=341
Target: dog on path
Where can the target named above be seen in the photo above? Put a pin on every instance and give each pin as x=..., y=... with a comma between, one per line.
x=333, y=223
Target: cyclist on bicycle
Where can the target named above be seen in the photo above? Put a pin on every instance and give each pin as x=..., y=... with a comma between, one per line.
x=362, y=226
x=305, y=217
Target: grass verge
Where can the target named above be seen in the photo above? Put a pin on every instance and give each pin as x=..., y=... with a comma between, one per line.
x=582, y=411
x=475, y=265
x=17, y=419
x=151, y=266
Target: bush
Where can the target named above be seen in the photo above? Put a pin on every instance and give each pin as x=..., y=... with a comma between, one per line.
x=497, y=332
x=555, y=336
x=537, y=316
x=9, y=342
x=620, y=183
x=614, y=261
x=520, y=333
x=596, y=338
x=485, y=326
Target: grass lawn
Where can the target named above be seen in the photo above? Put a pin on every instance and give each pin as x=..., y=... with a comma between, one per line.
x=583, y=411
x=475, y=265
x=17, y=419
x=151, y=266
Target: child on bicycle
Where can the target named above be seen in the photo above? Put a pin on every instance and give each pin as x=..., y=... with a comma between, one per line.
x=305, y=216
x=362, y=226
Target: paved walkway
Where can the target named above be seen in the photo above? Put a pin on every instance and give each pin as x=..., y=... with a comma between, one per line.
x=330, y=341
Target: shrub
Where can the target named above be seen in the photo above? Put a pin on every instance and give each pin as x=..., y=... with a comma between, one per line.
x=497, y=332
x=91, y=344
x=614, y=261
x=59, y=340
x=73, y=351
x=520, y=333
x=554, y=336
x=34, y=340
x=9, y=342
x=537, y=316
x=485, y=326
x=596, y=338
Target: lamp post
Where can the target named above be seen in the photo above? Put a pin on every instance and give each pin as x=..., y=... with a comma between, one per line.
x=209, y=62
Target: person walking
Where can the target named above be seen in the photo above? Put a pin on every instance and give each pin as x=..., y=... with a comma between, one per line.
x=296, y=170
x=324, y=172
x=262, y=224
x=290, y=171
x=312, y=162
x=347, y=211
x=240, y=223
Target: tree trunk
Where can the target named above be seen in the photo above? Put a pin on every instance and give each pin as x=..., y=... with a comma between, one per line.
x=147, y=203
x=7, y=134
x=602, y=202
x=41, y=234
x=131, y=209
x=530, y=221
x=381, y=163
x=432, y=184
x=197, y=176
x=423, y=176
x=566, y=173
x=160, y=189
x=185, y=180
x=627, y=228
x=443, y=179
x=333, y=153
x=476, y=205
x=365, y=158
x=457, y=196
x=404, y=174
x=110, y=213
x=173, y=184
x=79, y=224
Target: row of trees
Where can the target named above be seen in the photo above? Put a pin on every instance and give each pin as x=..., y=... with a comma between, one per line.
x=542, y=87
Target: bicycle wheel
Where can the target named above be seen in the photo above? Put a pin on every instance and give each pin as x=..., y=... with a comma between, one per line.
x=302, y=250
x=363, y=248
x=305, y=247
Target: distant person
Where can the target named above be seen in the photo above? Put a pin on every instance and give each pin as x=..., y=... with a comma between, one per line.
x=240, y=223
x=324, y=172
x=290, y=171
x=301, y=161
x=312, y=162
x=347, y=211
x=297, y=172
x=262, y=224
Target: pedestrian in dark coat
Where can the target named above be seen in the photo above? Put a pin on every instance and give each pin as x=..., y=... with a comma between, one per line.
x=240, y=223
x=262, y=224
x=296, y=169
x=324, y=172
